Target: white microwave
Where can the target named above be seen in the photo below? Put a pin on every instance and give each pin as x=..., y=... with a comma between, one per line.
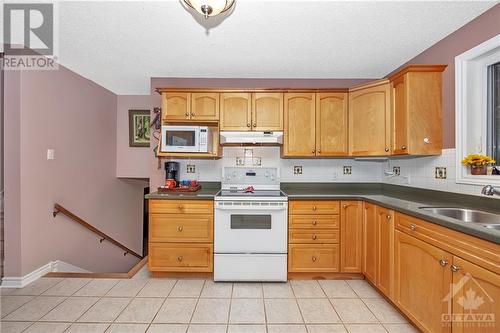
x=185, y=139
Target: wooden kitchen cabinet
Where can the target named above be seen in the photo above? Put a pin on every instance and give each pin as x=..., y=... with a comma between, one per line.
x=370, y=119
x=313, y=236
x=370, y=242
x=331, y=124
x=251, y=111
x=417, y=110
x=236, y=112
x=181, y=235
x=267, y=111
x=299, y=125
x=351, y=237
x=205, y=106
x=385, y=250
x=422, y=281
x=478, y=295
x=176, y=106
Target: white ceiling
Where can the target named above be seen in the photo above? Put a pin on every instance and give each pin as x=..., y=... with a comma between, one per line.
x=121, y=45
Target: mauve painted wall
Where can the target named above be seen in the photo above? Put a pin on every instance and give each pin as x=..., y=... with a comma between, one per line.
x=474, y=33
x=77, y=118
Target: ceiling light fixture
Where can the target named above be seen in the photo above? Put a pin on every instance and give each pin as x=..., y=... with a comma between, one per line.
x=210, y=8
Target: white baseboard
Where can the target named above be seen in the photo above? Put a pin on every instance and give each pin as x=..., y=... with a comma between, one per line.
x=53, y=266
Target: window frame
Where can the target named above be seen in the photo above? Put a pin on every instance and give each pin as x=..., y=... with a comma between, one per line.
x=471, y=86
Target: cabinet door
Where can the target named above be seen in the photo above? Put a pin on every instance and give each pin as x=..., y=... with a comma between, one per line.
x=422, y=281
x=476, y=299
x=400, y=116
x=351, y=236
x=385, y=250
x=267, y=112
x=205, y=106
x=299, y=125
x=369, y=121
x=176, y=105
x=235, y=112
x=331, y=124
x=370, y=242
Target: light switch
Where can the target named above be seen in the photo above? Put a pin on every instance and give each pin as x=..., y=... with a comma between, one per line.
x=50, y=154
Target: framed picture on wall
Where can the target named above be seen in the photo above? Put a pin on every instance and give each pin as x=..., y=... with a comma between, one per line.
x=139, y=133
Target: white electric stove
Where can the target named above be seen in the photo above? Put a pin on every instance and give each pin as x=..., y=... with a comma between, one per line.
x=251, y=226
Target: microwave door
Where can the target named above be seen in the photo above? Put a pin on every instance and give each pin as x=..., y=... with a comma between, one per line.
x=180, y=141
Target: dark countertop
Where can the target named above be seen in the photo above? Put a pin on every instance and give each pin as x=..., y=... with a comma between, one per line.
x=208, y=191
x=403, y=199
x=406, y=200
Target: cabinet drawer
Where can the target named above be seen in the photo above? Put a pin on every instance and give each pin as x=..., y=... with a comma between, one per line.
x=314, y=207
x=473, y=249
x=313, y=258
x=314, y=221
x=180, y=228
x=172, y=257
x=181, y=206
x=318, y=236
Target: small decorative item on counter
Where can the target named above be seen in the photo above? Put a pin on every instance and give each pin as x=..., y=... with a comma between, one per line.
x=170, y=183
x=478, y=163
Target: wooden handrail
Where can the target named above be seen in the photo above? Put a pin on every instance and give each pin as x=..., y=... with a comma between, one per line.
x=60, y=209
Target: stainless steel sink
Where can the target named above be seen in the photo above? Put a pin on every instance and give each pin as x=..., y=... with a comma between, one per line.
x=488, y=220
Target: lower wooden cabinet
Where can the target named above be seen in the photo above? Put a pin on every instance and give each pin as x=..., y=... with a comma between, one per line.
x=370, y=242
x=313, y=258
x=181, y=235
x=177, y=257
x=351, y=236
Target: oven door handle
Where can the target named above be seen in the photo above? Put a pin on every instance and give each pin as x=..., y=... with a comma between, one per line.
x=251, y=207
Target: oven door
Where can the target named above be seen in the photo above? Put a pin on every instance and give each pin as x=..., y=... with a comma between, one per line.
x=250, y=227
x=180, y=139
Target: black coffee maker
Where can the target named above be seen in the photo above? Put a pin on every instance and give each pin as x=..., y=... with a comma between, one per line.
x=172, y=171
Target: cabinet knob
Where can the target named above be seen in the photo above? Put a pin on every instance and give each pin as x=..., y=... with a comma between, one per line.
x=179, y=258
x=455, y=268
x=389, y=217
x=254, y=125
x=427, y=141
x=314, y=150
x=248, y=125
x=187, y=114
x=386, y=149
x=314, y=222
x=443, y=262
x=413, y=227
x=345, y=206
x=313, y=259
x=180, y=207
x=179, y=228
x=314, y=208
x=314, y=237
x=403, y=147
x=319, y=151
x=192, y=114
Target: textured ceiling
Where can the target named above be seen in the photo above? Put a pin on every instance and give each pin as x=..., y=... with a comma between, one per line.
x=121, y=45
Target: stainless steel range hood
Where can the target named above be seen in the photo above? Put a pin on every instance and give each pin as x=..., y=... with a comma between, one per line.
x=255, y=138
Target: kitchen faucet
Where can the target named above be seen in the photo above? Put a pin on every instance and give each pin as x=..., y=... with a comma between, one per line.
x=490, y=190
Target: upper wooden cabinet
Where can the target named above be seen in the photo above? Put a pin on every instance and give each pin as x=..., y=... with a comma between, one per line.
x=251, y=111
x=300, y=116
x=267, y=111
x=187, y=106
x=417, y=110
x=370, y=119
x=176, y=106
x=315, y=124
x=235, y=111
x=331, y=124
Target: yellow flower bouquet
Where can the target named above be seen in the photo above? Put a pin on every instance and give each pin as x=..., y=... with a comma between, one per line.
x=478, y=163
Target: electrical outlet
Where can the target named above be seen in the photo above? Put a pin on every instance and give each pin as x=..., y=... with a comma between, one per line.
x=297, y=170
x=190, y=168
x=256, y=161
x=240, y=161
x=347, y=169
x=396, y=170
x=440, y=173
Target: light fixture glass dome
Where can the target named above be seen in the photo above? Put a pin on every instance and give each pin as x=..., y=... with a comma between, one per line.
x=210, y=7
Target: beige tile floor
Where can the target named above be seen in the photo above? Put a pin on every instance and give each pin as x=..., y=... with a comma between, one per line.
x=144, y=304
